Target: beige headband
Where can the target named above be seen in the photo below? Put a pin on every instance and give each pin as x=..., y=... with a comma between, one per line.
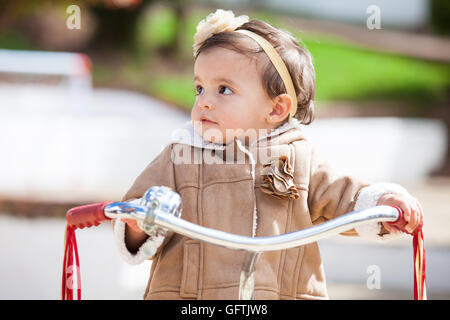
x=278, y=63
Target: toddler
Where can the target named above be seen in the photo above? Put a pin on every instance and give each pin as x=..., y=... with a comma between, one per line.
x=243, y=165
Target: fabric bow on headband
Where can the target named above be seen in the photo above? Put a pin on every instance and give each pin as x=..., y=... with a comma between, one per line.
x=219, y=21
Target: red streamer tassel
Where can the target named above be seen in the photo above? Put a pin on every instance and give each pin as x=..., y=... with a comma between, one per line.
x=69, y=267
x=419, y=267
x=77, y=217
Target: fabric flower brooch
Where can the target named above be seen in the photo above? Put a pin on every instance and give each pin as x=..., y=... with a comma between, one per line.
x=278, y=179
x=219, y=21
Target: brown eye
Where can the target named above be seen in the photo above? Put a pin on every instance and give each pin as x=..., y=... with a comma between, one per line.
x=225, y=90
x=198, y=90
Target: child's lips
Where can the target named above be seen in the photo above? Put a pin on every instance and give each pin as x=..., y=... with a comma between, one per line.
x=207, y=121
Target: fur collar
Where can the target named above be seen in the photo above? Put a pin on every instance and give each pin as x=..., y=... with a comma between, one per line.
x=188, y=136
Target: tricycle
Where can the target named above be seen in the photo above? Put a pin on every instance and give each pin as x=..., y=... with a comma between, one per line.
x=160, y=209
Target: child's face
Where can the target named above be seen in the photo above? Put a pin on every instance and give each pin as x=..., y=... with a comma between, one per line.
x=230, y=95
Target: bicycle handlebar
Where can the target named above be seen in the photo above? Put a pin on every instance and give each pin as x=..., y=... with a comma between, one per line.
x=256, y=244
x=150, y=215
x=159, y=210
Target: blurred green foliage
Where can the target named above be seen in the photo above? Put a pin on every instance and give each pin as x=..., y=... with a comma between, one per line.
x=155, y=56
x=157, y=29
x=14, y=40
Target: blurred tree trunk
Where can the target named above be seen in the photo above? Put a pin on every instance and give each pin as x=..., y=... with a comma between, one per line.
x=180, y=12
x=440, y=16
x=116, y=27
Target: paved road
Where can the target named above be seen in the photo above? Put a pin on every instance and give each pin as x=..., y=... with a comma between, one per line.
x=94, y=152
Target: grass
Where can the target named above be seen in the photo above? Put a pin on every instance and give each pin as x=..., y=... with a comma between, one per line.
x=346, y=72
x=178, y=89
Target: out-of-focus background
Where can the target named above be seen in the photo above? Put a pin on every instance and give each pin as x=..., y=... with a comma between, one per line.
x=91, y=90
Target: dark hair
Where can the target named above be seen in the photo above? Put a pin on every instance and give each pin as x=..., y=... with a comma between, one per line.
x=298, y=61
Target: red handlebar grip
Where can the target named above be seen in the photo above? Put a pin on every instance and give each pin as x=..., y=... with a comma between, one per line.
x=87, y=216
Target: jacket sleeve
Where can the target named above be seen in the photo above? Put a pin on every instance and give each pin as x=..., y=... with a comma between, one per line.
x=160, y=172
x=331, y=195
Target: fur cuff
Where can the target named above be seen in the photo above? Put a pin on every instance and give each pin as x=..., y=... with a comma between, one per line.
x=146, y=251
x=368, y=197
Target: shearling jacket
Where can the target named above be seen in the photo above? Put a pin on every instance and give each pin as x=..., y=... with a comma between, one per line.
x=277, y=185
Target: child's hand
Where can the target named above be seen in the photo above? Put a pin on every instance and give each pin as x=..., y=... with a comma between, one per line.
x=412, y=212
x=132, y=224
x=134, y=236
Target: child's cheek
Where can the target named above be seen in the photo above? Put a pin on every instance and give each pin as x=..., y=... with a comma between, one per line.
x=195, y=113
x=234, y=119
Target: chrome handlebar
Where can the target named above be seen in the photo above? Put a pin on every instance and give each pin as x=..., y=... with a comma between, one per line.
x=156, y=201
x=159, y=210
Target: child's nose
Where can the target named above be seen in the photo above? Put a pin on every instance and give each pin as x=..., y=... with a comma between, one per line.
x=205, y=107
x=206, y=103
